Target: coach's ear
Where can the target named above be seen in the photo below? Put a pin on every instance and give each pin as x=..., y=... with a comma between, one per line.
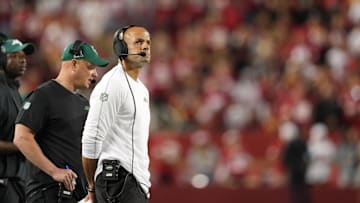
x=73, y=64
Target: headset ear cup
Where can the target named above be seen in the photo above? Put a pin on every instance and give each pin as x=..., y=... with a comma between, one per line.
x=116, y=43
x=119, y=45
x=120, y=48
x=123, y=47
x=117, y=48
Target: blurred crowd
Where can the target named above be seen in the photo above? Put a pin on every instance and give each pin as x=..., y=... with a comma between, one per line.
x=223, y=71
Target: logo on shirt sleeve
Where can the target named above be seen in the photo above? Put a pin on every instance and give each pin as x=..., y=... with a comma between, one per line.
x=26, y=105
x=104, y=97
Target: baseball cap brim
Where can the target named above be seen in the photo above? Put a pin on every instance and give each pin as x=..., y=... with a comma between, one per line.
x=28, y=48
x=14, y=45
x=92, y=56
x=87, y=52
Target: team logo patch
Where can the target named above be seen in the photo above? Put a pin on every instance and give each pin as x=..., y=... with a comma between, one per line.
x=86, y=108
x=26, y=105
x=16, y=42
x=104, y=97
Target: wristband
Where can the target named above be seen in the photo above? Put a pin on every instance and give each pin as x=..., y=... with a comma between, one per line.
x=90, y=189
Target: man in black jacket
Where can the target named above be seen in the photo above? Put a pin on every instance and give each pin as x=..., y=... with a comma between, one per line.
x=12, y=65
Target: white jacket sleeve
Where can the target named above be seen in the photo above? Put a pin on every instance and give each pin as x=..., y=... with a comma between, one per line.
x=102, y=113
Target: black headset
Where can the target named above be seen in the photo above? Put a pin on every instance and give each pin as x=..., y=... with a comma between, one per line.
x=76, y=49
x=119, y=44
x=3, y=59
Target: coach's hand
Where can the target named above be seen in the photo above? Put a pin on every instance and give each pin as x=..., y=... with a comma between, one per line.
x=65, y=176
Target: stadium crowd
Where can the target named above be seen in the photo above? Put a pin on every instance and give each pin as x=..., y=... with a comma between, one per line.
x=227, y=78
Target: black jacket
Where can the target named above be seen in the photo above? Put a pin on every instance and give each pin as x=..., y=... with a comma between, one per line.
x=10, y=103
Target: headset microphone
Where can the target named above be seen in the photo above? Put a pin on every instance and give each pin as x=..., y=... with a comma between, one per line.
x=143, y=54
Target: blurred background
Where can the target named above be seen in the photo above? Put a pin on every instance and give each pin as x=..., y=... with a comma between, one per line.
x=233, y=83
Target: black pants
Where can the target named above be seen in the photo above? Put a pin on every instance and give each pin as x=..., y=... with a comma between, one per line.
x=48, y=195
x=12, y=190
x=125, y=190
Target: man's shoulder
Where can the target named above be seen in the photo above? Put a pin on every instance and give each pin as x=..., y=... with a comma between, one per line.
x=41, y=91
x=4, y=89
x=2, y=78
x=113, y=74
x=82, y=97
x=3, y=81
x=45, y=87
x=113, y=78
x=3, y=86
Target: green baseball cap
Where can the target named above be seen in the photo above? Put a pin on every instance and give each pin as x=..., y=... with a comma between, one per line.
x=15, y=45
x=86, y=51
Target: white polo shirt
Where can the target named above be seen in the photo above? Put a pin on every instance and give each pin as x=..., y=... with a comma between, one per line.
x=108, y=128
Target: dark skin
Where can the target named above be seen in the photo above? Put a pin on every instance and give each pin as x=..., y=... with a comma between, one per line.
x=16, y=64
x=15, y=67
x=138, y=40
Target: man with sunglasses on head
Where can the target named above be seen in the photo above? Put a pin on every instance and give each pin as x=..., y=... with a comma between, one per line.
x=13, y=64
x=49, y=128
